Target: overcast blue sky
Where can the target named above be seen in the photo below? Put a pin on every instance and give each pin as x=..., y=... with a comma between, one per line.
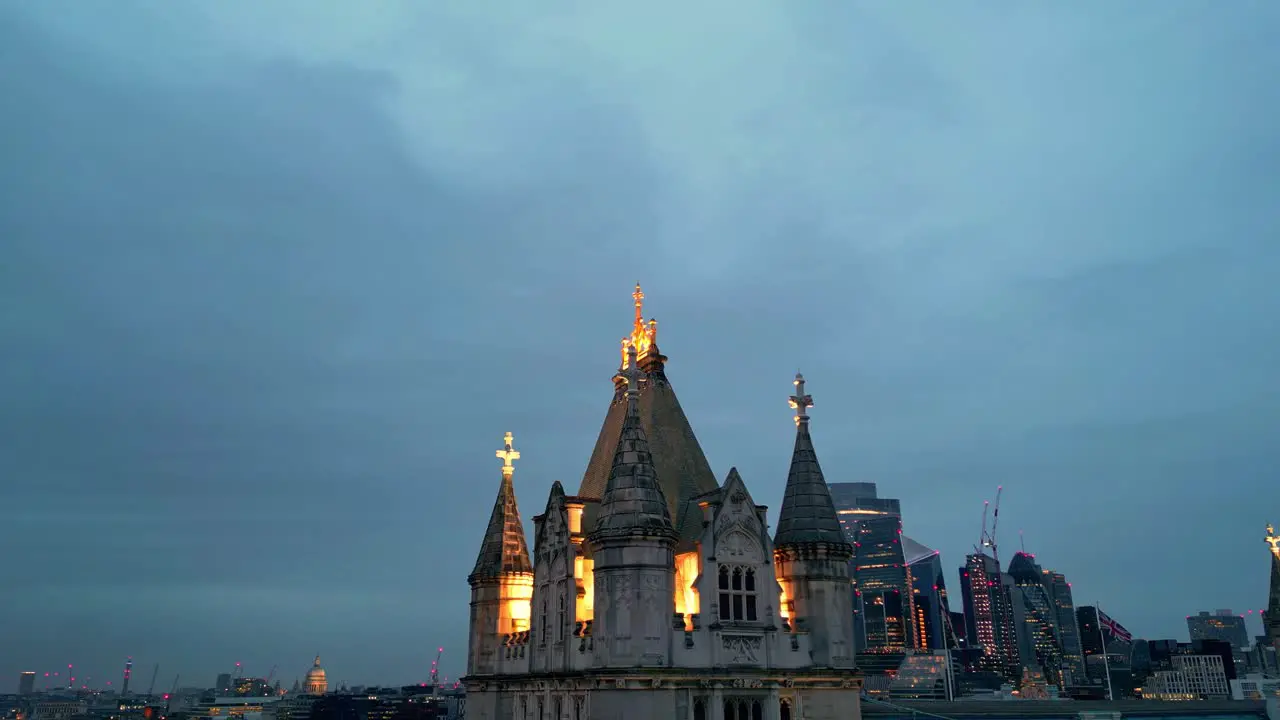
x=275, y=278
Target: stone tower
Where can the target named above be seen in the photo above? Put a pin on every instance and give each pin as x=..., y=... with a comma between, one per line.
x=502, y=581
x=633, y=545
x=811, y=554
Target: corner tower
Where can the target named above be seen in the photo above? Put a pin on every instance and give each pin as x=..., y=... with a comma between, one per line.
x=633, y=544
x=502, y=580
x=811, y=554
x=682, y=469
x=1271, y=621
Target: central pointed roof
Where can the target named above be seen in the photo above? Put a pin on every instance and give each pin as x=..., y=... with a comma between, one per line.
x=682, y=468
x=633, y=501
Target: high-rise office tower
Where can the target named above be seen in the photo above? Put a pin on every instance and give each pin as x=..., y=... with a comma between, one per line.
x=224, y=683
x=857, y=500
x=1068, y=627
x=988, y=607
x=882, y=586
x=1035, y=619
x=1221, y=625
x=933, y=630
x=883, y=600
x=27, y=683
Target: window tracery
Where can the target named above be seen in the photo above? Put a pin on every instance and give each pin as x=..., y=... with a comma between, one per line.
x=738, y=596
x=743, y=709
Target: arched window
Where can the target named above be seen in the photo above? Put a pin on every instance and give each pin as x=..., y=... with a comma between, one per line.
x=542, y=620
x=699, y=709
x=738, y=599
x=784, y=709
x=742, y=709
x=561, y=619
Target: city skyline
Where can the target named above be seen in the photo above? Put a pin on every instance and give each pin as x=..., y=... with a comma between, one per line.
x=281, y=297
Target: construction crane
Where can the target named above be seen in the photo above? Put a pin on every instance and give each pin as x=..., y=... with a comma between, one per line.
x=435, y=669
x=988, y=538
x=152, y=688
x=271, y=674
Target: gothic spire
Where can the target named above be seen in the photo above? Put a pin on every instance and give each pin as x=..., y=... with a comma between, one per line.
x=505, y=549
x=681, y=465
x=808, y=515
x=1271, y=620
x=633, y=500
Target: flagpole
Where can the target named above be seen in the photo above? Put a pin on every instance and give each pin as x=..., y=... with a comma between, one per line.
x=1106, y=665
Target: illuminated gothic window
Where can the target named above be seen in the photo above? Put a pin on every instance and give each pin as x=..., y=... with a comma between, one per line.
x=737, y=593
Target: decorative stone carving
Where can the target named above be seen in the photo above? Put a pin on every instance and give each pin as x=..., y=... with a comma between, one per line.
x=741, y=648
x=752, y=683
x=742, y=547
x=788, y=682
x=620, y=683
x=621, y=592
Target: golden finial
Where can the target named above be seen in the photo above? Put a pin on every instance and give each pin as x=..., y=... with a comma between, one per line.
x=800, y=402
x=508, y=456
x=1273, y=540
x=642, y=334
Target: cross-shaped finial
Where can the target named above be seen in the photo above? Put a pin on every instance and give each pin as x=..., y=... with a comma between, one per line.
x=632, y=373
x=507, y=455
x=1272, y=540
x=800, y=402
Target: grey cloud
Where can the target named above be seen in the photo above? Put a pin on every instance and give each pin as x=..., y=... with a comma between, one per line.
x=269, y=299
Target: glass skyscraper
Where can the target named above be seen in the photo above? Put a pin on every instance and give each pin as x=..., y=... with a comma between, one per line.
x=988, y=607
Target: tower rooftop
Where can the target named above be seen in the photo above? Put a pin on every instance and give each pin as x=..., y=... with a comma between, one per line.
x=808, y=515
x=682, y=469
x=505, y=549
x=632, y=501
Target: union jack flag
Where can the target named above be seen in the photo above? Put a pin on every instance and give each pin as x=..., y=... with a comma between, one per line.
x=1116, y=629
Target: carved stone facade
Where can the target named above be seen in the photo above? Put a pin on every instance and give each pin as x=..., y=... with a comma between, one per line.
x=657, y=592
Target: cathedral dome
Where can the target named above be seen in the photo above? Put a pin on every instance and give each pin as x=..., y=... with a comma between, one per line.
x=316, y=682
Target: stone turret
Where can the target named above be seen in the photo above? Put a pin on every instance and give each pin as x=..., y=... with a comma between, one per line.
x=811, y=554
x=502, y=581
x=633, y=546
